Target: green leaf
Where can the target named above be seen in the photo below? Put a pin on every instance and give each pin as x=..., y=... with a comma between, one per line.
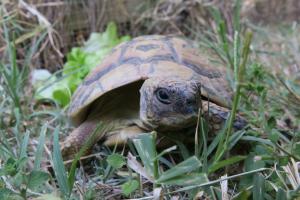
x=226, y=162
x=95, y=136
x=146, y=150
x=257, y=139
x=62, y=95
x=21, y=162
x=259, y=187
x=244, y=194
x=75, y=59
x=116, y=160
x=39, y=76
x=274, y=135
x=283, y=160
x=10, y=167
x=234, y=138
x=6, y=149
x=271, y=122
x=48, y=197
x=24, y=145
x=58, y=166
x=296, y=149
x=80, y=61
x=39, y=152
x=37, y=178
x=182, y=168
x=236, y=15
x=253, y=162
x=219, y=137
x=19, y=179
x=187, y=179
x=281, y=194
x=43, y=83
x=129, y=187
x=7, y=194
x=13, y=166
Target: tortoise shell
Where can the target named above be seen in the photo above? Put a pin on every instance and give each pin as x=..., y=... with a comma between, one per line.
x=145, y=57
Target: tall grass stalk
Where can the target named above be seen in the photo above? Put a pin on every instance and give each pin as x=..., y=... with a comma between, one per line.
x=58, y=166
x=221, y=179
x=223, y=145
x=239, y=80
x=99, y=131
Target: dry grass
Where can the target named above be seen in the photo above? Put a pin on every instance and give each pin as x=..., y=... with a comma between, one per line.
x=66, y=24
x=53, y=27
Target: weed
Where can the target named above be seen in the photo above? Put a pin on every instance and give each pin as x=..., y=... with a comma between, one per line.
x=258, y=162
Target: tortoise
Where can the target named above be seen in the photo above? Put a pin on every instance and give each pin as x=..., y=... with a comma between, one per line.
x=149, y=83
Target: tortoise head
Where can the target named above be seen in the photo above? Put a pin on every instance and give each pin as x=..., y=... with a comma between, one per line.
x=169, y=103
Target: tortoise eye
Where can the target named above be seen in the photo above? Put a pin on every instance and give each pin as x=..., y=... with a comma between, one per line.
x=163, y=96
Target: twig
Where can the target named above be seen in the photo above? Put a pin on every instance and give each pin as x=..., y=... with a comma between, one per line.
x=42, y=21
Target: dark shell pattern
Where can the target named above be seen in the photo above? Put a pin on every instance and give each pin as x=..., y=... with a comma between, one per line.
x=145, y=57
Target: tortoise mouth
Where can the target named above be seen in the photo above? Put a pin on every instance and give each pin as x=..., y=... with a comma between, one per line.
x=203, y=100
x=167, y=127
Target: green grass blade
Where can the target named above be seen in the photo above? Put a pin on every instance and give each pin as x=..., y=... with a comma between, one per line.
x=234, y=138
x=219, y=180
x=216, y=15
x=223, y=145
x=24, y=145
x=39, y=152
x=33, y=49
x=236, y=15
x=236, y=56
x=281, y=194
x=6, y=149
x=244, y=194
x=97, y=133
x=183, y=150
x=36, y=178
x=168, y=150
x=58, y=166
x=257, y=139
x=12, y=55
x=217, y=50
x=187, y=179
x=212, y=146
x=226, y=162
x=258, y=187
x=145, y=146
x=9, y=85
x=201, y=140
x=186, y=166
x=11, y=74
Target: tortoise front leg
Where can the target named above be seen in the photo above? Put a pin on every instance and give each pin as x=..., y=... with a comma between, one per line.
x=78, y=138
x=121, y=135
x=113, y=133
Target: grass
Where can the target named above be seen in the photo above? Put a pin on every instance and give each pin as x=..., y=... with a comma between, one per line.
x=260, y=162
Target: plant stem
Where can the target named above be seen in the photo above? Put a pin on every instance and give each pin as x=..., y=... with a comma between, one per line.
x=155, y=161
x=240, y=79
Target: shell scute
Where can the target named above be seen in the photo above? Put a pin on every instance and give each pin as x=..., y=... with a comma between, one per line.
x=145, y=57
